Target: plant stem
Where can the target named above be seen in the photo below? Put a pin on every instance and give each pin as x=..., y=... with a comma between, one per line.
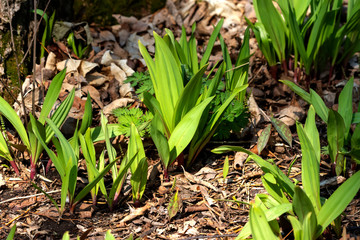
x=16, y=169
x=284, y=66
x=273, y=71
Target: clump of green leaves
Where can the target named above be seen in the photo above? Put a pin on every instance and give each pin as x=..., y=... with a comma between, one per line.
x=342, y=144
x=79, y=47
x=141, y=81
x=308, y=214
x=133, y=115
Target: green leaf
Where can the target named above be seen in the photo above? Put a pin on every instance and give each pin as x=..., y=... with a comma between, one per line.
x=92, y=184
x=297, y=227
x=260, y=227
x=302, y=207
x=312, y=132
x=189, y=96
x=139, y=179
x=337, y=202
x=273, y=188
x=52, y=95
x=174, y=205
x=285, y=183
x=210, y=44
x=185, y=130
x=283, y=130
x=87, y=117
x=48, y=196
x=160, y=140
x=319, y=105
x=336, y=138
x=298, y=90
x=273, y=23
x=226, y=167
x=264, y=138
x=66, y=236
x=345, y=105
x=271, y=214
x=310, y=168
x=7, y=111
x=109, y=236
x=12, y=233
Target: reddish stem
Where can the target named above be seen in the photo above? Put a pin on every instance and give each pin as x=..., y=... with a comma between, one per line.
x=32, y=170
x=180, y=160
x=284, y=66
x=273, y=71
x=48, y=165
x=16, y=169
x=166, y=175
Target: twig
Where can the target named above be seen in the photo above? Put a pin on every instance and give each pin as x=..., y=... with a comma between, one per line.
x=12, y=220
x=30, y=196
x=8, y=90
x=16, y=59
x=210, y=236
x=32, y=39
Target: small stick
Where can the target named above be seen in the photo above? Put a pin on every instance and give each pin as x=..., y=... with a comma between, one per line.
x=30, y=196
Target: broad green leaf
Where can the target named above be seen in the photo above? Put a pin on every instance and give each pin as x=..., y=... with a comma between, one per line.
x=60, y=114
x=12, y=233
x=168, y=80
x=189, y=96
x=4, y=150
x=125, y=165
x=87, y=117
x=298, y=90
x=273, y=188
x=264, y=138
x=98, y=135
x=226, y=167
x=185, y=130
x=267, y=167
x=336, y=138
x=260, y=227
x=308, y=227
x=312, y=132
x=302, y=207
x=274, y=25
x=7, y=111
x=203, y=137
x=160, y=140
x=283, y=130
x=139, y=178
x=319, y=105
x=337, y=202
x=345, y=105
x=52, y=95
x=271, y=214
x=66, y=236
x=109, y=236
x=355, y=142
x=92, y=184
x=297, y=227
x=310, y=169
x=174, y=205
x=210, y=44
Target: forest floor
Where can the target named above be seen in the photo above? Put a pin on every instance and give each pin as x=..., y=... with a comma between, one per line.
x=210, y=207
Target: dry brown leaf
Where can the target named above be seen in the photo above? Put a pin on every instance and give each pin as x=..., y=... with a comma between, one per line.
x=122, y=102
x=239, y=160
x=290, y=114
x=96, y=79
x=135, y=213
x=94, y=94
